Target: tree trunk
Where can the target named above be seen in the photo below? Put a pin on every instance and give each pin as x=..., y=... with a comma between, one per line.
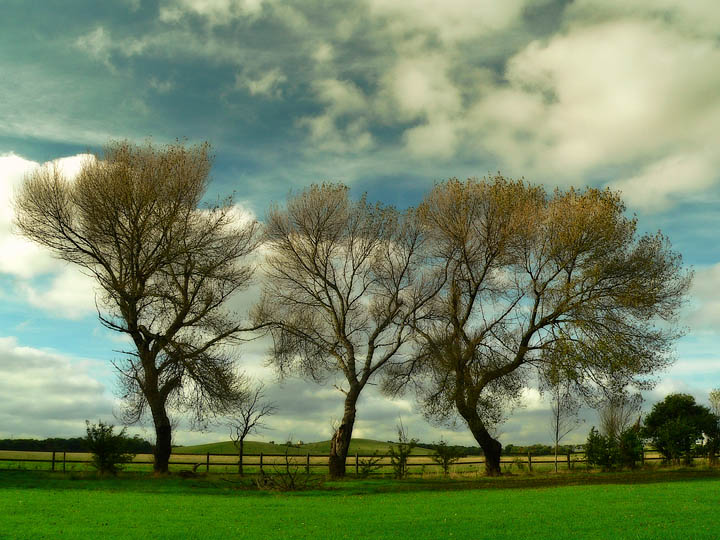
x=490, y=447
x=163, y=438
x=340, y=443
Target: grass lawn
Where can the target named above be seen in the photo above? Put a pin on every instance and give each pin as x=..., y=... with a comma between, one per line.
x=670, y=504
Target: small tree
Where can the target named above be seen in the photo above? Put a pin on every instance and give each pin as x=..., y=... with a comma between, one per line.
x=446, y=455
x=675, y=424
x=630, y=447
x=610, y=452
x=400, y=452
x=564, y=407
x=599, y=450
x=619, y=412
x=713, y=443
x=109, y=449
x=251, y=411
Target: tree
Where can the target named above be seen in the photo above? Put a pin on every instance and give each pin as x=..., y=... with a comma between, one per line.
x=675, y=424
x=249, y=417
x=564, y=409
x=109, y=450
x=531, y=280
x=618, y=412
x=165, y=267
x=713, y=443
x=342, y=286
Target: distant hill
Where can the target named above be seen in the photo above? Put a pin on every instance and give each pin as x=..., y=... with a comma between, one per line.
x=361, y=446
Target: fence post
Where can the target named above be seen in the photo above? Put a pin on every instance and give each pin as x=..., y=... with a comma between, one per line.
x=529, y=462
x=207, y=462
x=642, y=454
x=357, y=464
x=53, y=461
x=63, y=462
x=307, y=463
x=569, y=462
x=261, y=461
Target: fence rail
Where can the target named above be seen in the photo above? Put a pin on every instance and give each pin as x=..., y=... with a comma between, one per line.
x=60, y=460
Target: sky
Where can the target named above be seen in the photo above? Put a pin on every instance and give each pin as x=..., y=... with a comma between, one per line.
x=387, y=97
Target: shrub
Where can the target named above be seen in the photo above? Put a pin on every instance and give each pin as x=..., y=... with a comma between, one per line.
x=369, y=465
x=446, y=455
x=610, y=452
x=109, y=450
x=400, y=452
x=630, y=447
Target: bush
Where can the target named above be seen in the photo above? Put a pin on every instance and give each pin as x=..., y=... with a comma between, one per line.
x=609, y=452
x=400, y=452
x=630, y=448
x=109, y=450
x=369, y=465
x=446, y=455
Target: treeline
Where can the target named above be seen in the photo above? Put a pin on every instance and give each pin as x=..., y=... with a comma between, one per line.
x=508, y=450
x=536, y=449
x=135, y=445
x=463, y=450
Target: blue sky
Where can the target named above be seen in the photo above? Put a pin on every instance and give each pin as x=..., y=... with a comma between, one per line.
x=388, y=97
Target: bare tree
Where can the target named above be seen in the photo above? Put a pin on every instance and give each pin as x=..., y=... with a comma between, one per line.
x=564, y=409
x=249, y=416
x=618, y=412
x=342, y=286
x=529, y=279
x=165, y=266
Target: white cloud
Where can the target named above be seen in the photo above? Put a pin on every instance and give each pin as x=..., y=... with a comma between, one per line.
x=216, y=12
x=69, y=293
x=48, y=394
x=343, y=127
x=664, y=182
x=450, y=20
x=613, y=94
x=268, y=84
x=704, y=313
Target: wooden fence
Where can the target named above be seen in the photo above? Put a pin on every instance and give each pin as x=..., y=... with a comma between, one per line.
x=61, y=461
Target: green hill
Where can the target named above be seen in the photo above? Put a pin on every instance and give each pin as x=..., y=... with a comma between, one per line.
x=361, y=446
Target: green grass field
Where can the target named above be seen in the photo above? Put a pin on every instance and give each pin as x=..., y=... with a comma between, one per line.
x=667, y=505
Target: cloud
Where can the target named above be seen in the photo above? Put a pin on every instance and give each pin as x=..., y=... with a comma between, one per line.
x=47, y=394
x=704, y=312
x=619, y=93
x=663, y=183
x=268, y=84
x=66, y=292
x=343, y=127
x=216, y=12
x=449, y=20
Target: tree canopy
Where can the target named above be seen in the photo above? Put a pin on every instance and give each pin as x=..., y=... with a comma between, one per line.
x=164, y=264
x=535, y=281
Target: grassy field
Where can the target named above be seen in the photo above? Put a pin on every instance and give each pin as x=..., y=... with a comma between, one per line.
x=667, y=505
x=361, y=446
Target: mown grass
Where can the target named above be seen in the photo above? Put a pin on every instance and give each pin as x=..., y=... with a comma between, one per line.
x=670, y=504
